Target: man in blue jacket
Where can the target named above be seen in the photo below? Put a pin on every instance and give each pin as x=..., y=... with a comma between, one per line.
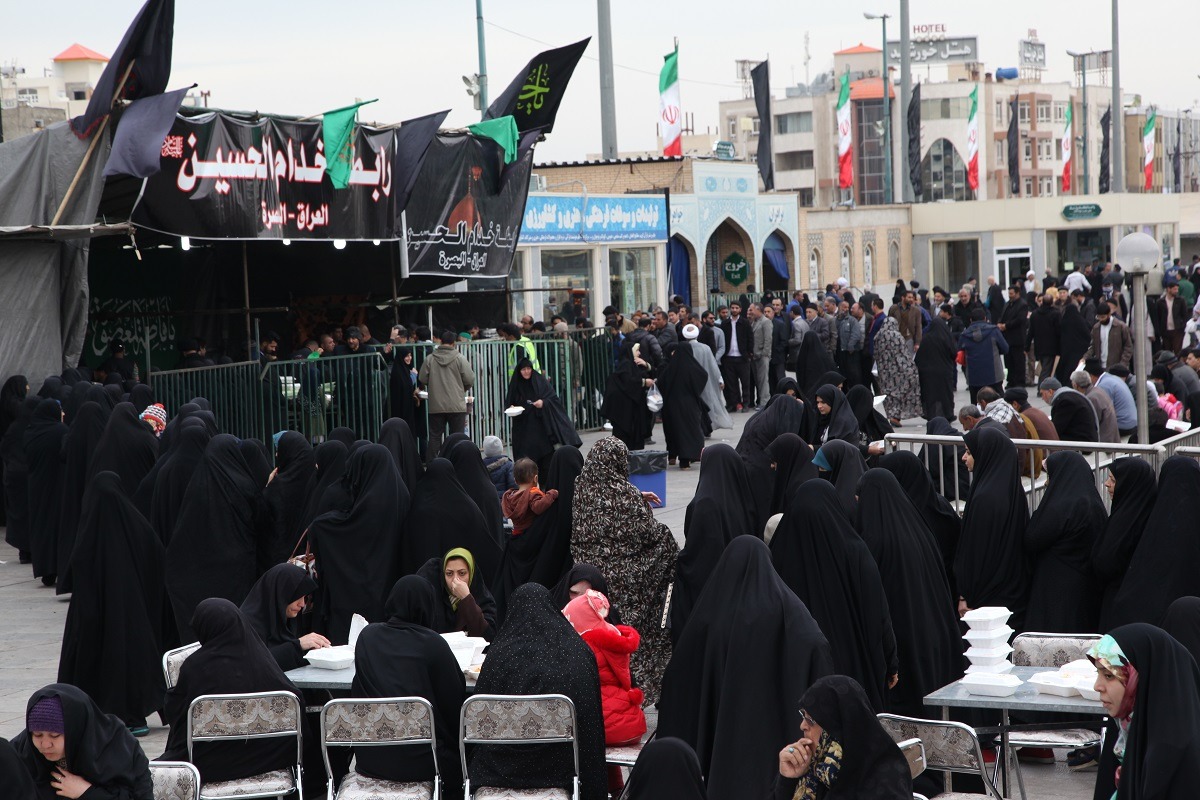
x=984, y=345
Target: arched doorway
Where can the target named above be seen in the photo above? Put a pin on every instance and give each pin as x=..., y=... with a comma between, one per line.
x=729, y=260
x=776, y=274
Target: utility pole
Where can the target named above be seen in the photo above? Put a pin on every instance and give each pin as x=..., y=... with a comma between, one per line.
x=1117, y=157
x=1087, y=179
x=608, y=100
x=906, y=89
x=483, y=93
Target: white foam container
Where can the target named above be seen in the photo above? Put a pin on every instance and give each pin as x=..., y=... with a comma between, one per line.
x=989, y=655
x=340, y=657
x=1086, y=688
x=1053, y=683
x=990, y=669
x=466, y=649
x=991, y=685
x=987, y=618
x=992, y=637
x=1079, y=670
x=513, y=411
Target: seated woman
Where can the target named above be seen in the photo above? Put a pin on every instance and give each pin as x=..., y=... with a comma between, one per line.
x=231, y=660
x=538, y=652
x=836, y=418
x=666, y=768
x=1150, y=687
x=403, y=657
x=278, y=598
x=577, y=581
x=73, y=749
x=465, y=604
x=843, y=751
x=14, y=777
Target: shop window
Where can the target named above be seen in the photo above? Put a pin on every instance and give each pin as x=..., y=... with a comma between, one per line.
x=632, y=277
x=567, y=279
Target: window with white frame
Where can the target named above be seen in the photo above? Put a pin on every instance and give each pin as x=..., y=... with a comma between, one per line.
x=1043, y=111
x=1028, y=151
x=1028, y=187
x=1000, y=112
x=1046, y=186
x=1023, y=112
x=868, y=265
x=814, y=267
x=1001, y=148
x=847, y=263
x=1060, y=112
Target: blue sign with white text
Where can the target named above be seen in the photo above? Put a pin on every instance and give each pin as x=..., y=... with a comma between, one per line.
x=563, y=219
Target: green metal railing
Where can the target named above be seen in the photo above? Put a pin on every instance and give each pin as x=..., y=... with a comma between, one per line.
x=314, y=396
x=233, y=391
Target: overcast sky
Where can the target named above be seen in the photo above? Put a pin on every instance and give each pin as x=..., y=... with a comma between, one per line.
x=306, y=56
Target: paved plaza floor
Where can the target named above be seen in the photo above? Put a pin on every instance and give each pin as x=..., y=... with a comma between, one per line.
x=32, y=619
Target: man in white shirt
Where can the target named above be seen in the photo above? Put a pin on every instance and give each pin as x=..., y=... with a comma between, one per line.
x=1077, y=280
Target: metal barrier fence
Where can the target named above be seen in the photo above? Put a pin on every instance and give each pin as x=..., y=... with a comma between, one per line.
x=233, y=391
x=590, y=355
x=1194, y=452
x=1031, y=453
x=1188, y=439
x=314, y=396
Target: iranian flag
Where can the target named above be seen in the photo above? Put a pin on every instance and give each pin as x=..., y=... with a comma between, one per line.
x=1067, y=148
x=845, y=150
x=973, y=142
x=1148, y=146
x=668, y=105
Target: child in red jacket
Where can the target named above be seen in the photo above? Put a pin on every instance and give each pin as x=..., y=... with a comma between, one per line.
x=525, y=503
x=624, y=721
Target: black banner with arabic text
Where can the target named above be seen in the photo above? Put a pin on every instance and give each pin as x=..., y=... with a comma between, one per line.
x=465, y=214
x=226, y=178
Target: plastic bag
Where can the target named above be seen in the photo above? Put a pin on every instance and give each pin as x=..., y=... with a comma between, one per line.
x=654, y=400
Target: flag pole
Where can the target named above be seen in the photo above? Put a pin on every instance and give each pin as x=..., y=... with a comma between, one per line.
x=87, y=157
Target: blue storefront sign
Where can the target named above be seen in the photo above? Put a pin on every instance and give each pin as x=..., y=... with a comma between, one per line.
x=555, y=218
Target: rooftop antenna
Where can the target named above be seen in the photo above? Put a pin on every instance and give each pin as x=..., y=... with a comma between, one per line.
x=807, y=57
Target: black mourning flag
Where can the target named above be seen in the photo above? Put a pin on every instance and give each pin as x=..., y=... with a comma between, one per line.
x=1014, y=150
x=147, y=44
x=914, y=142
x=412, y=143
x=760, y=76
x=1105, y=125
x=1175, y=156
x=138, y=143
x=535, y=94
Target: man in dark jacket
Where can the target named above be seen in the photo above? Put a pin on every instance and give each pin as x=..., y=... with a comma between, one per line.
x=965, y=305
x=1045, y=322
x=739, y=350
x=1170, y=315
x=1014, y=322
x=1072, y=413
x=1074, y=337
x=780, y=330
x=984, y=346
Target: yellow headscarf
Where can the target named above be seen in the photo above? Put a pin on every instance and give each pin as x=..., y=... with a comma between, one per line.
x=465, y=555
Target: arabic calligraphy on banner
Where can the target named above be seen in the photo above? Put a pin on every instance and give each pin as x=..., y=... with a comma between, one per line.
x=464, y=217
x=943, y=51
x=561, y=218
x=225, y=178
x=133, y=321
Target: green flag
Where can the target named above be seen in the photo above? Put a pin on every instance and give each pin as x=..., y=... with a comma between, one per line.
x=337, y=127
x=502, y=131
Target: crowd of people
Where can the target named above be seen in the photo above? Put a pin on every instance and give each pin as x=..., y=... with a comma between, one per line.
x=821, y=580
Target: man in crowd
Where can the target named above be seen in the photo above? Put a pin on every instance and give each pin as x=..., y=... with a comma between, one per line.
x=1076, y=280
x=1018, y=398
x=664, y=331
x=761, y=365
x=1073, y=416
x=1045, y=335
x=1014, y=325
x=190, y=357
x=1106, y=413
x=1124, y=406
x=908, y=316
x=1186, y=381
x=1169, y=317
x=850, y=344
x=1112, y=342
x=739, y=349
x=712, y=335
x=651, y=350
x=447, y=375
x=779, y=342
x=523, y=347
x=268, y=348
x=625, y=326
x=871, y=327
x=965, y=305
x=994, y=407
x=984, y=346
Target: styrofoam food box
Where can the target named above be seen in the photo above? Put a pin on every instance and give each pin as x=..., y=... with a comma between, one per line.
x=991, y=685
x=1087, y=689
x=1053, y=683
x=989, y=655
x=993, y=637
x=992, y=669
x=1079, y=670
x=987, y=618
x=339, y=657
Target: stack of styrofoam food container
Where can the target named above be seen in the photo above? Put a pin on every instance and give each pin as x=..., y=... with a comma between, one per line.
x=989, y=652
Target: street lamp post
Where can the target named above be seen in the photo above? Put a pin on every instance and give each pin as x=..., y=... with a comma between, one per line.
x=1081, y=67
x=483, y=87
x=887, y=112
x=1138, y=253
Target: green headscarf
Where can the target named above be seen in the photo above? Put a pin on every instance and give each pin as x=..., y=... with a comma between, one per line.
x=465, y=555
